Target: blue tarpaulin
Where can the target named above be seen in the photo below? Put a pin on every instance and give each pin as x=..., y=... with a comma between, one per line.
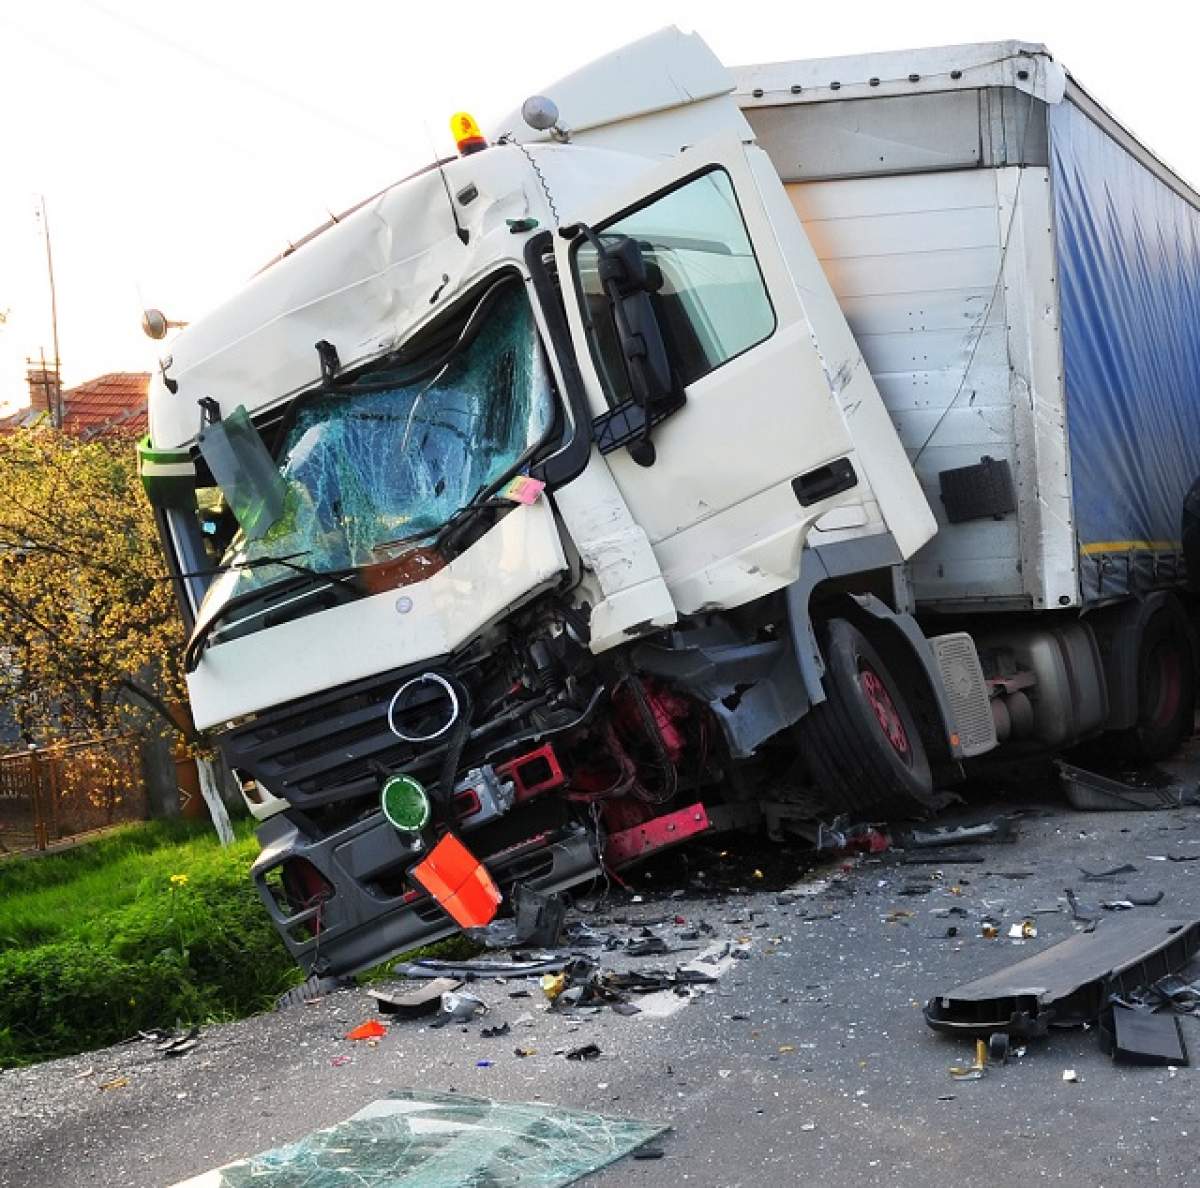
x=1129, y=271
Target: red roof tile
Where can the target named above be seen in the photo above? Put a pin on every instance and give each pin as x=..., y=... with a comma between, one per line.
x=107, y=404
x=113, y=403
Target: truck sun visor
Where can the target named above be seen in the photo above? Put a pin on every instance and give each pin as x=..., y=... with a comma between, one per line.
x=245, y=472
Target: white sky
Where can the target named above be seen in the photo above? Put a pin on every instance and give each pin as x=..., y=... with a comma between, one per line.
x=180, y=145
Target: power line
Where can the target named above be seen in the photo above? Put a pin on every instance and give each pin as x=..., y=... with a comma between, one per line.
x=245, y=80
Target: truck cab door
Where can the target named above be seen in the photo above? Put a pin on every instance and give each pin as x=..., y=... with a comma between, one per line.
x=747, y=446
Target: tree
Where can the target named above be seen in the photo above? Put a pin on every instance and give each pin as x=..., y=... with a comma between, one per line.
x=90, y=638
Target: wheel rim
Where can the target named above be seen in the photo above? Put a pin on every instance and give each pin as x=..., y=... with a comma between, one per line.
x=885, y=711
x=1164, y=687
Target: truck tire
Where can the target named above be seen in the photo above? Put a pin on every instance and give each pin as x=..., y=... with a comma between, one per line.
x=1166, y=689
x=862, y=743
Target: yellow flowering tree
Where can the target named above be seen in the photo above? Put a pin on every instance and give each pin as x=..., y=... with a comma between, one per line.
x=89, y=634
x=90, y=637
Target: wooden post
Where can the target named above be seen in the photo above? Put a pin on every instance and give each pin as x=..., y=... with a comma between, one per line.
x=40, y=840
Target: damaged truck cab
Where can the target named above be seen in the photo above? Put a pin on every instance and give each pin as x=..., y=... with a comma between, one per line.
x=544, y=511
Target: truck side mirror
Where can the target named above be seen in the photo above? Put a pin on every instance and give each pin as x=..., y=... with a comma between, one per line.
x=629, y=280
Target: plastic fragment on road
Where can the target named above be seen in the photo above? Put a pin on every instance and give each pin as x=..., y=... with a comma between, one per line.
x=441, y=1140
x=1068, y=983
x=1101, y=875
x=422, y=1000
x=1025, y=930
x=459, y=1006
x=584, y=1052
x=1088, y=792
x=371, y=1029
x=1000, y=829
x=1070, y=1076
x=113, y=1083
x=479, y=967
x=1139, y=1037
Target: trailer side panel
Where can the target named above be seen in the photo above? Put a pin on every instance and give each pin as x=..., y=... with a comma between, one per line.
x=1128, y=249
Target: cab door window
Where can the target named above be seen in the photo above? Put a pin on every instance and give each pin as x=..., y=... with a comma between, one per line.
x=709, y=296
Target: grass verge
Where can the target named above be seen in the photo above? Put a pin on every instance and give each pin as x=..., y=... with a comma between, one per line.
x=148, y=926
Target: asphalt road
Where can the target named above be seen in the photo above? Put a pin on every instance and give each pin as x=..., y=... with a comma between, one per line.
x=808, y=1061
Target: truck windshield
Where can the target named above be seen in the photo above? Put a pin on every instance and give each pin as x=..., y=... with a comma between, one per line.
x=385, y=459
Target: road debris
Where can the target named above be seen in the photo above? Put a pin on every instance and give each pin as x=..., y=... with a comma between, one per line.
x=1083, y=913
x=459, y=1006
x=481, y=967
x=553, y=985
x=1000, y=829
x=1133, y=901
x=170, y=1043
x=584, y=1052
x=1068, y=983
x=372, y=1029
x=1099, y=876
x=1070, y=1076
x=423, y=999
x=972, y=1072
x=1132, y=1036
x=180, y=1045
x=1090, y=792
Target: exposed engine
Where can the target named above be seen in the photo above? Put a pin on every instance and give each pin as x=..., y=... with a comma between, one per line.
x=587, y=748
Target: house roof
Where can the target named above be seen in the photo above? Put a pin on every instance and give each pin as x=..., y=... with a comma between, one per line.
x=113, y=403
x=107, y=404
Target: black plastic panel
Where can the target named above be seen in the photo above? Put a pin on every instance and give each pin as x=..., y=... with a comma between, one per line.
x=978, y=492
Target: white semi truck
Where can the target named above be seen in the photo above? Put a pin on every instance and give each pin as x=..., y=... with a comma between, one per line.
x=698, y=449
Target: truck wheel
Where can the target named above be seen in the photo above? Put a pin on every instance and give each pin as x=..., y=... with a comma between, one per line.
x=862, y=742
x=1166, y=690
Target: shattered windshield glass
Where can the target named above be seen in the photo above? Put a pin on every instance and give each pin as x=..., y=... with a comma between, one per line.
x=442, y=1140
x=377, y=462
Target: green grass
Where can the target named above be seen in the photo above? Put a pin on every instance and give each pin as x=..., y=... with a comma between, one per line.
x=98, y=942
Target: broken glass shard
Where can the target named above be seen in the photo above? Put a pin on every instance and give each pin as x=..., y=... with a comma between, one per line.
x=442, y=1140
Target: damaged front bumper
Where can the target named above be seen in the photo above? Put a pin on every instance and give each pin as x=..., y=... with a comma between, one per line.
x=337, y=903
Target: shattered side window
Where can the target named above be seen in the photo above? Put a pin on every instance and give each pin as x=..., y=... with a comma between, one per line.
x=376, y=461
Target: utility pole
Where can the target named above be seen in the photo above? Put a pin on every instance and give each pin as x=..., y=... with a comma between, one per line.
x=58, y=404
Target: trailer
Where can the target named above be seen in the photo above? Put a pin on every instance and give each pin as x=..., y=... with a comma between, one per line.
x=693, y=451
x=1023, y=277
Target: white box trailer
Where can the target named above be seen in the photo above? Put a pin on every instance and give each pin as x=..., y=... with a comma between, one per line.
x=1023, y=277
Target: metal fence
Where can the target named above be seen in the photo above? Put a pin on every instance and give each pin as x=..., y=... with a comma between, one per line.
x=52, y=794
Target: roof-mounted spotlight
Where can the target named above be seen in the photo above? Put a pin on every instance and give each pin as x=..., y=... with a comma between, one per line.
x=541, y=113
x=155, y=324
